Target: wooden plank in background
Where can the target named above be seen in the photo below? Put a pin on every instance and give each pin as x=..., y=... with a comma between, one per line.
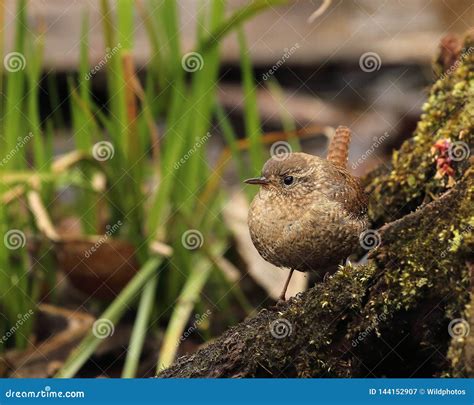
x=398, y=30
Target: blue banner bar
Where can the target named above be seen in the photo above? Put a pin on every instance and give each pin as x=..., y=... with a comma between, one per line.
x=257, y=391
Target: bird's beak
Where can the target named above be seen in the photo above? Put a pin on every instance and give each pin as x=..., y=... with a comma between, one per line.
x=257, y=180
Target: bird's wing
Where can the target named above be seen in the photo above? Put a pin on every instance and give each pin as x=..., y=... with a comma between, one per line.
x=344, y=188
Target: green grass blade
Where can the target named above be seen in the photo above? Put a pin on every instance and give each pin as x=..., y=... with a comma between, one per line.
x=194, y=172
x=113, y=313
x=140, y=326
x=15, y=86
x=153, y=34
x=236, y=19
x=125, y=12
x=182, y=310
x=170, y=20
x=33, y=72
x=2, y=46
x=231, y=139
x=251, y=116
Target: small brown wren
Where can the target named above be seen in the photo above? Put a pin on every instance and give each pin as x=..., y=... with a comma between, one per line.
x=309, y=212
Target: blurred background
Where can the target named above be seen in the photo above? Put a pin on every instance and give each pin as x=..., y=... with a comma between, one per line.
x=126, y=130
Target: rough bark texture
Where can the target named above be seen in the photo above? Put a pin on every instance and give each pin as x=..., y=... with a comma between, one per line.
x=405, y=313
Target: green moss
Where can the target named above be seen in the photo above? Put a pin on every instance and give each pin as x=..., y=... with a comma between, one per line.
x=461, y=351
x=447, y=114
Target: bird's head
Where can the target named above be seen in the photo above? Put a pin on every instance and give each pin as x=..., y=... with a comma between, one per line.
x=289, y=174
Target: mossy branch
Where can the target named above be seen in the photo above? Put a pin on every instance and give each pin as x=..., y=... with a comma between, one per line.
x=392, y=316
x=387, y=318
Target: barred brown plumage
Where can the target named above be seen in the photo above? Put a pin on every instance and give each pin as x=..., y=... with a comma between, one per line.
x=309, y=211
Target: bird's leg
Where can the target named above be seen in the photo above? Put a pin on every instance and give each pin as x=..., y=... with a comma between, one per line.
x=283, y=293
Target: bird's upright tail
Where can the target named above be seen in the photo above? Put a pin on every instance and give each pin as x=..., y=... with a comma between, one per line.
x=338, y=151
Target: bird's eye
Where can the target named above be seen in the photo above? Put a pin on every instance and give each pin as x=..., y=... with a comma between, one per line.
x=288, y=180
